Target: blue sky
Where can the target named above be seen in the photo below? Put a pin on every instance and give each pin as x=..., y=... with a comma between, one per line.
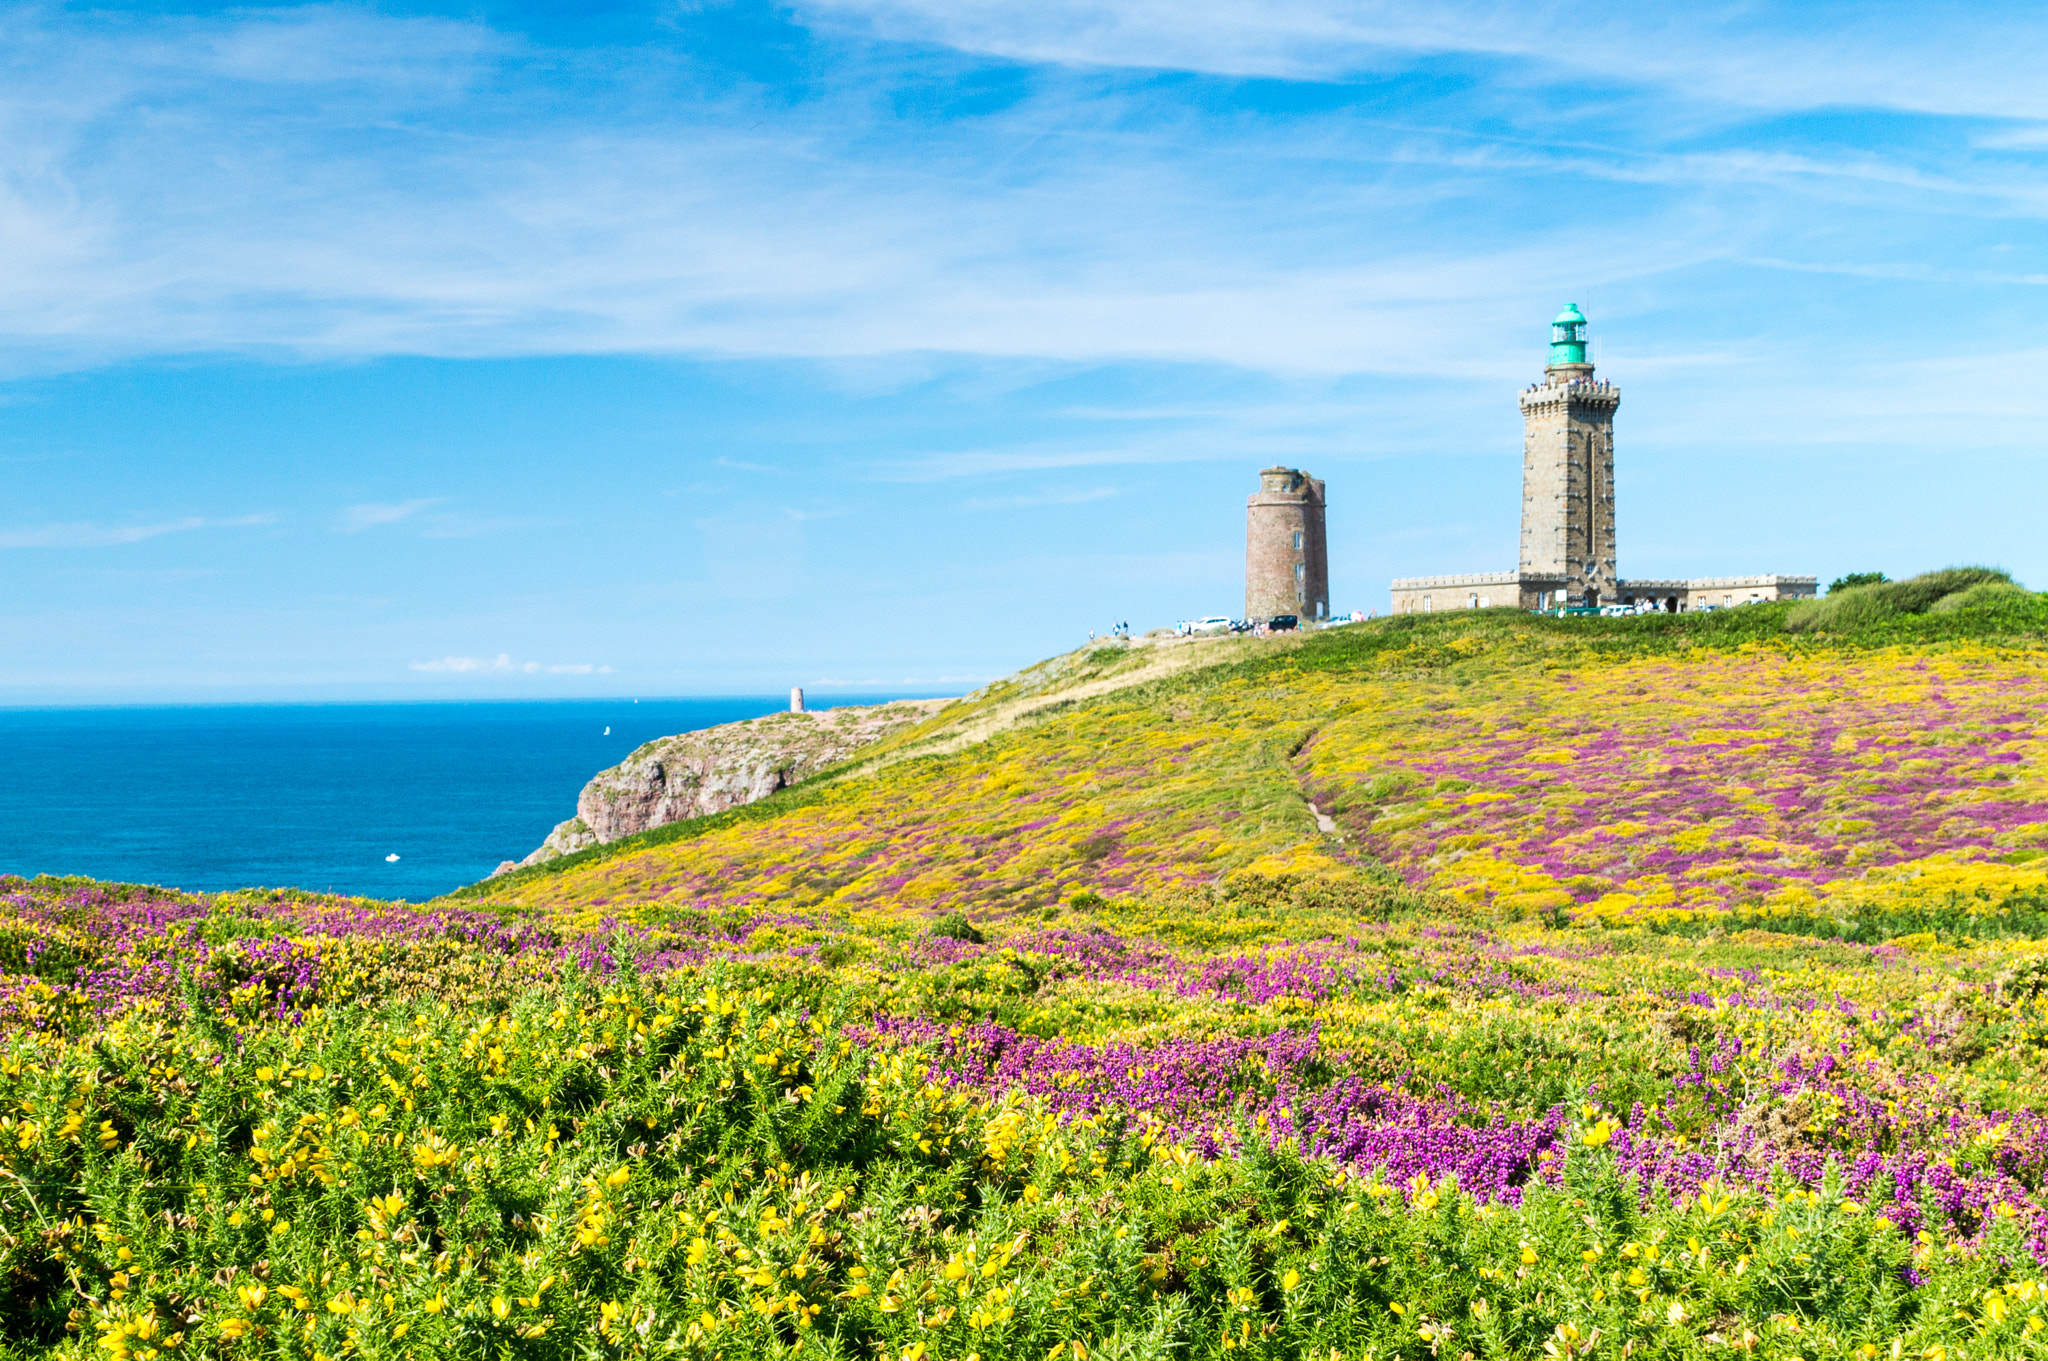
x=513, y=351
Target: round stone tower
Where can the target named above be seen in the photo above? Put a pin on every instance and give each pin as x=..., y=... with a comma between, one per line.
x=1286, y=562
x=1568, y=473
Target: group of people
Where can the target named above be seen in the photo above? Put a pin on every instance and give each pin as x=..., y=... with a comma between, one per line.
x=1123, y=630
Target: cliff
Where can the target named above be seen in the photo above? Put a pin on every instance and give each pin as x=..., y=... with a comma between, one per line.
x=708, y=771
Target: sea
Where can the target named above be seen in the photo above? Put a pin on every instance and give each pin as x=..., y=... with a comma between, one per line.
x=385, y=800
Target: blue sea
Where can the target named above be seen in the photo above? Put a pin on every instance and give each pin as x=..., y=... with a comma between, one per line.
x=314, y=796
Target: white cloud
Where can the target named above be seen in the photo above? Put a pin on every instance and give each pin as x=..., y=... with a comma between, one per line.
x=2033, y=137
x=433, y=192
x=1782, y=56
x=1027, y=501
x=355, y=519
x=430, y=523
x=502, y=664
x=86, y=534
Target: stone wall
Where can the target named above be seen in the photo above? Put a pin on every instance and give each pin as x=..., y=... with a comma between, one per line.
x=1485, y=590
x=1286, y=555
x=1473, y=591
x=1720, y=593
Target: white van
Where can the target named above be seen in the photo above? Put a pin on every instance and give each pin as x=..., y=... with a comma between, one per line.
x=1215, y=623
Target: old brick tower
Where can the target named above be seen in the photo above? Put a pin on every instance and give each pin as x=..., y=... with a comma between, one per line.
x=1568, y=470
x=1286, y=563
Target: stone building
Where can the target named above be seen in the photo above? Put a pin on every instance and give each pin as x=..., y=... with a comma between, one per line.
x=1286, y=559
x=1568, y=536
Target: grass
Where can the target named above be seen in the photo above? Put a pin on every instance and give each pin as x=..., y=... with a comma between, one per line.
x=1986, y=599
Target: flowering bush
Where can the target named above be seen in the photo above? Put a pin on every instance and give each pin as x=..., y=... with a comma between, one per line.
x=1819, y=783
x=650, y=1139
x=1085, y=1041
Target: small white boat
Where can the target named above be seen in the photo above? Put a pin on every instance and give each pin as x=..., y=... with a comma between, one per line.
x=390, y=859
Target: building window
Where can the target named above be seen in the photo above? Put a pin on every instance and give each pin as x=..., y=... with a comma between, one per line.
x=1297, y=541
x=1485, y=603
x=1426, y=608
x=1471, y=602
x=1300, y=594
x=1300, y=571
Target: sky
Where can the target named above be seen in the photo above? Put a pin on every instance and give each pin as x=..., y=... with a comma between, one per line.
x=528, y=350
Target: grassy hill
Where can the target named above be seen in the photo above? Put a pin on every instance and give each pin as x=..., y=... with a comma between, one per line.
x=1647, y=769
x=1475, y=984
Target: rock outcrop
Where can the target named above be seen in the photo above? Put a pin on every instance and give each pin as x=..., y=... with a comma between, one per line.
x=714, y=769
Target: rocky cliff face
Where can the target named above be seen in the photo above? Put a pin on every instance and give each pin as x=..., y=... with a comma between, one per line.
x=709, y=771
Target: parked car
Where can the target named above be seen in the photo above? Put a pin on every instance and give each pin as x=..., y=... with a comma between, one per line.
x=1215, y=623
x=1282, y=623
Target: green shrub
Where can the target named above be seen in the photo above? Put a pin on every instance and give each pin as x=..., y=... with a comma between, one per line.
x=1917, y=595
x=1843, y=583
x=1985, y=595
x=1846, y=611
x=955, y=926
x=1860, y=608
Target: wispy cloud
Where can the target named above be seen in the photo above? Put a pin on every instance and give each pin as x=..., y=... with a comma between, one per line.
x=356, y=519
x=502, y=664
x=1253, y=429
x=2027, y=137
x=425, y=518
x=434, y=192
x=1775, y=56
x=87, y=534
x=1031, y=499
x=467, y=526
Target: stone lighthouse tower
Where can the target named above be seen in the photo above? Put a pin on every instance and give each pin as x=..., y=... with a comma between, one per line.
x=1286, y=565
x=1568, y=470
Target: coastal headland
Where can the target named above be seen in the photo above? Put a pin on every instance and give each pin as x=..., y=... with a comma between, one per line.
x=1473, y=983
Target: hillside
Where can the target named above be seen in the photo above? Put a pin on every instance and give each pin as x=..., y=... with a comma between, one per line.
x=1646, y=769
x=1461, y=985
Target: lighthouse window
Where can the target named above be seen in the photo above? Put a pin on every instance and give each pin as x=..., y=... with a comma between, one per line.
x=1300, y=571
x=1297, y=540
